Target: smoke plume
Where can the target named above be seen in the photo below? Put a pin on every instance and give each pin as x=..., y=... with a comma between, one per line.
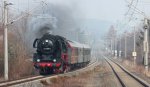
x=57, y=19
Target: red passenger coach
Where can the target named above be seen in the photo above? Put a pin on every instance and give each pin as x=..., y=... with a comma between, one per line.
x=79, y=54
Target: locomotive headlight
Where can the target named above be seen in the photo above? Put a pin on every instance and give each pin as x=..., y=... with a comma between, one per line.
x=38, y=60
x=54, y=60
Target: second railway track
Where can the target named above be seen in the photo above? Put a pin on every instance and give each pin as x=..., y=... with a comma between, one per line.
x=126, y=78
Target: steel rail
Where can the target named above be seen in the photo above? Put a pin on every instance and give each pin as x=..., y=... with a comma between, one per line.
x=141, y=81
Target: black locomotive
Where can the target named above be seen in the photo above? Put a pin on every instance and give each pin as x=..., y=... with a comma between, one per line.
x=55, y=54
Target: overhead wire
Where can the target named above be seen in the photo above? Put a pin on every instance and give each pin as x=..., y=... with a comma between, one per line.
x=126, y=14
x=133, y=11
x=137, y=10
x=25, y=13
x=129, y=7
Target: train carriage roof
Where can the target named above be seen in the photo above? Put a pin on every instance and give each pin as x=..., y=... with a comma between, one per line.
x=79, y=45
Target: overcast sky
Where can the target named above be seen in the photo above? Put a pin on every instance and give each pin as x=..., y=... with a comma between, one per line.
x=105, y=10
x=110, y=10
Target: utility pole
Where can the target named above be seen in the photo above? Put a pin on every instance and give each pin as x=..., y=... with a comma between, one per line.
x=5, y=41
x=146, y=43
x=125, y=55
x=134, y=51
x=115, y=48
x=120, y=48
x=111, y=45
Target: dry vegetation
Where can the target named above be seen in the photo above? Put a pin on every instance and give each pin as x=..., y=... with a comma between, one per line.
x=100, y=76
x=133, y=68
x=18, y=63
x=137, y=69
x=1, y=52
x=19, y=66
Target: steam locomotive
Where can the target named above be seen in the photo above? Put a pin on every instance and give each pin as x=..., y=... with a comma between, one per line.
x=55, y=54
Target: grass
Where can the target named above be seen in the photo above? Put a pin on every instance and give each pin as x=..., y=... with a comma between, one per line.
x=100, y=76
x=18, y=63
x=134, y=68
x=65, y=81
x=19, y=67
x=137, y=69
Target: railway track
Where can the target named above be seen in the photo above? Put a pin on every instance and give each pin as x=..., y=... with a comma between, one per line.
x=126, y=78
x=17, y=83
